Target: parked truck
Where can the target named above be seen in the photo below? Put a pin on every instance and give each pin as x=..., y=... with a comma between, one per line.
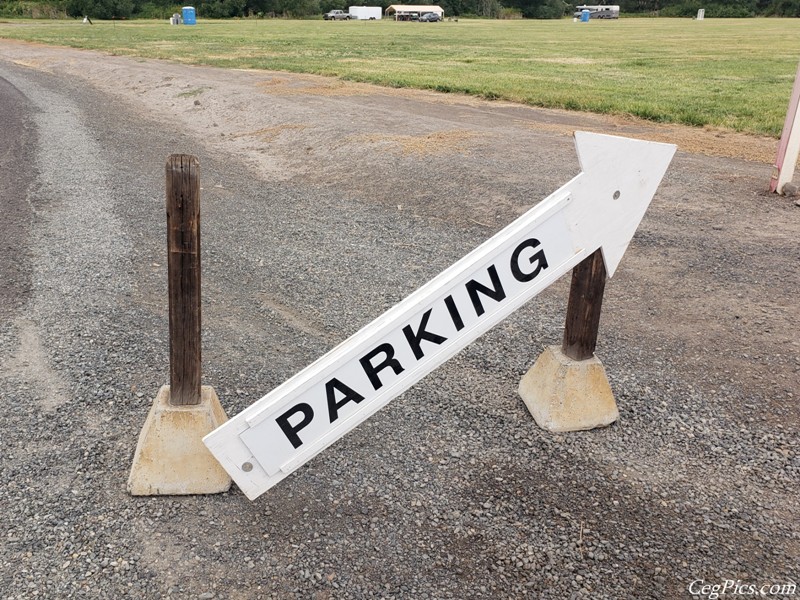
x=366, y=13
x=337, y=15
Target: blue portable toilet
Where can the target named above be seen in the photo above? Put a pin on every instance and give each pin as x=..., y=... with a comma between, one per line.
x=584, y=15
x=189, y=15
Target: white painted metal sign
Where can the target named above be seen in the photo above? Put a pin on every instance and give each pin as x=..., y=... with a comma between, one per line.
x=600, y=208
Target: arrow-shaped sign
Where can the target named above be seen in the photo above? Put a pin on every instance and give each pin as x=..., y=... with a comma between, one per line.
x=599, y=208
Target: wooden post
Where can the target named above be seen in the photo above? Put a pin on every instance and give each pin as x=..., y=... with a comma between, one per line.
x=183, y=260
x=170, y=457
x=583, y=309
x=569, y=390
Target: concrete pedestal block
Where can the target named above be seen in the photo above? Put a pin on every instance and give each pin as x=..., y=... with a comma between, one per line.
x=568, y=395
x=170, y=457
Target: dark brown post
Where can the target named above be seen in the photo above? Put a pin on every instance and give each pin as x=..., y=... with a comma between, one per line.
x=183, y=265
x=583, y=309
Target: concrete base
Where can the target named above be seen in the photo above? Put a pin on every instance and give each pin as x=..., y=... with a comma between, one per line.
x=568, y=395
x=171, y=458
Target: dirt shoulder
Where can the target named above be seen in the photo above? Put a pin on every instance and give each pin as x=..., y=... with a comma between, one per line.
x=153, y=83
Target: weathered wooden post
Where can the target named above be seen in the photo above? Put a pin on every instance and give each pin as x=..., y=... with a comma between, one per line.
x=170, y=457
x=183, y=275
x=567, y=389
x=583, y=308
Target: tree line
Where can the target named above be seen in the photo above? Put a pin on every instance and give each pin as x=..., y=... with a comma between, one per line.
x=530, y=9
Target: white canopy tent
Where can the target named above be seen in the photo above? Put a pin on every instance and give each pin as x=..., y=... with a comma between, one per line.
x=407, y=12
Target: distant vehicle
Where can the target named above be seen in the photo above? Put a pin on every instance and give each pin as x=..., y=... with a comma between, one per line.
x=337, y=15
x=430, y=17
x=366, y=13
x=598, y=11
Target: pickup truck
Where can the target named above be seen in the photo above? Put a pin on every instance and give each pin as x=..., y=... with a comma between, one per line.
x=337, y=15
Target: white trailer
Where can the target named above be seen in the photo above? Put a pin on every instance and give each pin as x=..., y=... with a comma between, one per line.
x=365, y=13
x=602, y=11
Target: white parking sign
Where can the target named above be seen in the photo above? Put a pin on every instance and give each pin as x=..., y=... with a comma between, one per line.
x=599, y=208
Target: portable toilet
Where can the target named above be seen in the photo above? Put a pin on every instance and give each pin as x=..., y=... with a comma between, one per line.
x=584, y=15
x=189, y=15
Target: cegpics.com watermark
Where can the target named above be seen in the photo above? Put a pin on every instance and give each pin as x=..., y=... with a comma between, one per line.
x=731, y=587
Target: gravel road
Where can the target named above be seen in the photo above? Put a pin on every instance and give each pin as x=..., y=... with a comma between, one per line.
x=324, y=204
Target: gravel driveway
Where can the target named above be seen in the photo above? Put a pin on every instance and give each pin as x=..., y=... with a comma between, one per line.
x=324, y=204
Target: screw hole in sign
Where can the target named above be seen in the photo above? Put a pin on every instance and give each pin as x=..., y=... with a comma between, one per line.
x=616, y=195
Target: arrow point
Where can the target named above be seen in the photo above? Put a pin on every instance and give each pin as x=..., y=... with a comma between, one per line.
x=621, y=176
x=612, y=255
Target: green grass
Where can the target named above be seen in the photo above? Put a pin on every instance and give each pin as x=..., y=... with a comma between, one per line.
x=191, y=93
x=732, y=73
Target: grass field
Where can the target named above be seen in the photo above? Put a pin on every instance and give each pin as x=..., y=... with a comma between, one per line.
x=731, y=73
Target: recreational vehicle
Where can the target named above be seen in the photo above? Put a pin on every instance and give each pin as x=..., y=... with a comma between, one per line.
x=598, y=11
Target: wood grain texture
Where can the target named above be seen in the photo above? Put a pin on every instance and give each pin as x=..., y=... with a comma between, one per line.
x=183, y=256
x=583, y=310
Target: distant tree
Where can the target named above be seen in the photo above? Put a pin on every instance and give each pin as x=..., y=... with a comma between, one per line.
x=220, y=9
x=453, y=8
x=101, y=9
x=642, y=6
x=329, y=5
x=550, y=9
x=289, y=8
x=540, y=9
x=532, y=9
x=731, y=8
x=783, y=8
x=488, y=8
x=300, y=8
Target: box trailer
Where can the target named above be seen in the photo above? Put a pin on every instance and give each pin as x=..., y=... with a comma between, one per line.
x=365, y=13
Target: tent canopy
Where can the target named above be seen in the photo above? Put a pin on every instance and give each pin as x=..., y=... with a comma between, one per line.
x=407, y=9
